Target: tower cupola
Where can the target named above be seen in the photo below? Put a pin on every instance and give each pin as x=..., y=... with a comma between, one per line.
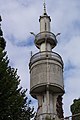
x=45, y=40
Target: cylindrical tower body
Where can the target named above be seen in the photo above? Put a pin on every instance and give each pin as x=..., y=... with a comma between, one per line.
x=46, y=73
x=46, y=81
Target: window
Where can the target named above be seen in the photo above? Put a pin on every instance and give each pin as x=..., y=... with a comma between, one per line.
x=45, y=26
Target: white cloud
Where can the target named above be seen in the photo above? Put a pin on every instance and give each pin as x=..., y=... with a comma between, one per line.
x=72, y=50
x=19, y=20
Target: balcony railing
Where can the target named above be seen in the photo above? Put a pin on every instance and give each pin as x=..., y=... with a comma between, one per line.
x=45, y=34
x=45, y=55
x=40, y=37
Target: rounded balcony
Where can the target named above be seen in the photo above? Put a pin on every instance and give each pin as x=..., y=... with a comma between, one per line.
x=46, y=72
x=45, y=37
x=45, y=55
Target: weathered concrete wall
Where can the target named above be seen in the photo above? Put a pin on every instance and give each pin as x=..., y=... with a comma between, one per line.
x=46, y=83
x=46, y=72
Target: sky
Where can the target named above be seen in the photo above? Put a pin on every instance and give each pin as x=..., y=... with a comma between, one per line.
x=20, y=17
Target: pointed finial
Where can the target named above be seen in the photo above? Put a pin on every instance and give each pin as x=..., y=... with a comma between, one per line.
x=44, y=4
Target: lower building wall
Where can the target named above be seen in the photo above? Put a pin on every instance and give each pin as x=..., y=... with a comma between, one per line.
x=47, y=107
x=48, y=117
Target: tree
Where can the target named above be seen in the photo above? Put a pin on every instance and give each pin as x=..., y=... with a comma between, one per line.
x=59, y=107
x=75, y=109
x=14, y=105
x=2, y=41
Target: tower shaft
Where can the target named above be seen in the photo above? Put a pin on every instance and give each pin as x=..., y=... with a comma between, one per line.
x=46, y=73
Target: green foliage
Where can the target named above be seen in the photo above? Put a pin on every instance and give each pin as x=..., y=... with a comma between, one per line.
x=0, y=19
x=2, y=43
x=14, y=105
x=75, y=109
x=2, y=40
x=59, y=108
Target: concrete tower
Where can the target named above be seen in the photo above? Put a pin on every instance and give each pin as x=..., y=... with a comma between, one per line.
x=46, y=73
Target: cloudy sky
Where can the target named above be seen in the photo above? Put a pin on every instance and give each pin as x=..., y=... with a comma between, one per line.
x=21, y=16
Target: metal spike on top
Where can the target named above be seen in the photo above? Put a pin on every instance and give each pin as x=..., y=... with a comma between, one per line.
x=44, y=4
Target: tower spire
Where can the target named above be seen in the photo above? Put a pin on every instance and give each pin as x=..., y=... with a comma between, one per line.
x=44, y=5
